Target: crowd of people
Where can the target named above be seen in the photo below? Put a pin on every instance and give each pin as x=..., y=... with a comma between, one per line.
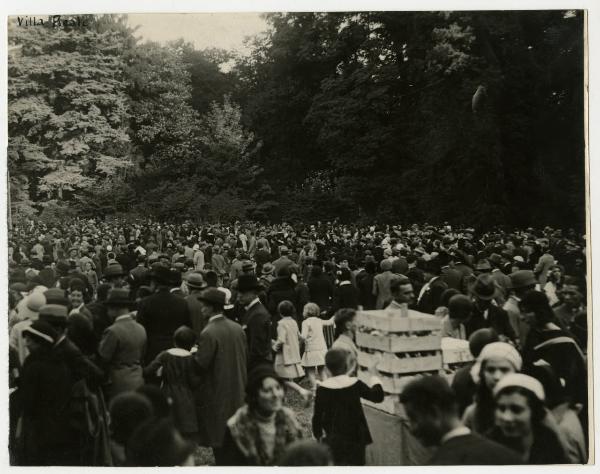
x=131, y=344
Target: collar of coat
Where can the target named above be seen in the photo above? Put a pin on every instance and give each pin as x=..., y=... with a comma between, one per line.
x=244, y=430
x=339, y=381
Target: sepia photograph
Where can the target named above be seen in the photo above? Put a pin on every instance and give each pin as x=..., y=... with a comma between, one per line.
x=298, y=238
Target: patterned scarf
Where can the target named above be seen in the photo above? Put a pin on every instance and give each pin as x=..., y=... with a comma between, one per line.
x=246, y=434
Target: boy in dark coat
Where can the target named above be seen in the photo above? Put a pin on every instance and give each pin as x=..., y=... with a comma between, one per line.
x=432, y=411
x=338, y=418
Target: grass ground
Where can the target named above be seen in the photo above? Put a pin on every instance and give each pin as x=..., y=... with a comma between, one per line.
x=204, y=456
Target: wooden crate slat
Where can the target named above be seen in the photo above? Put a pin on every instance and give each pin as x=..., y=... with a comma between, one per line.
x=391, y=385
x=391, y=343
x=396, y=365
x=456, y=356
x=398, y=321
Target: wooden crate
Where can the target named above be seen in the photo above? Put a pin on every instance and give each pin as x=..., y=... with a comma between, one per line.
x=396, y=343
x=455, y=351
x=400, y=320
x=391, y=384
x=392, y=364
x=453, y=356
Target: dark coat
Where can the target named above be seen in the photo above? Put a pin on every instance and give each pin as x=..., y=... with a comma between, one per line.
x=564, y=355
x=48, y=276
x=546, y=449
x=280, y=289
x=497, y=319
x=346, y=296
x=364, y=283
x=453, y=278
x=80, y=331
x=472, y=449
x=321, y=291
x=221, y=358
x=100, y=319
x=432, y=298
x=80, y=366
x=198, y=321
x=161, y=315
x=417, y=278
x=45, y=390
x=464, y=387
x=338, y=415
x=259, y=331
x=261, y=257
x=179, y=379
x=466, y=272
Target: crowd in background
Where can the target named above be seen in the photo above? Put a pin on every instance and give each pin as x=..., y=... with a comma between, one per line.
x=134, y=343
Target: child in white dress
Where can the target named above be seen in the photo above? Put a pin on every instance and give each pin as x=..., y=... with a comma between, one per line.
x=315, y=347
x=287, y=346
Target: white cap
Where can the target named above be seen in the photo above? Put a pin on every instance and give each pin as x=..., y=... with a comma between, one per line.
x=523, y=381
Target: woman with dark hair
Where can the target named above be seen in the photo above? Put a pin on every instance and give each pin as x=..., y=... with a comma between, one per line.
x=519, y=417
x=496, y=361
x=547, y=341
x=260, y=431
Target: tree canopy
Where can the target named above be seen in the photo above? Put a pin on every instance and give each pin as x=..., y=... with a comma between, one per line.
x=406, y=116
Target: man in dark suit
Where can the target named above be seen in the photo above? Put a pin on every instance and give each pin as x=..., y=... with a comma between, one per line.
x=432, y=412
x=261, y=256
x=485, y=313
x=414, y=273
x=458, y=263
x=161, y=314
x=452, y=277
x=195, y=283
x=346, y=295
x=221, y=358
x=430, y=296
x=256, y=322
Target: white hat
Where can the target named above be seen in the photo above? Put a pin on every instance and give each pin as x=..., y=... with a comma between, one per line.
x=523, y=381
x=496, y=350
x=227, y=292
x=518, y=258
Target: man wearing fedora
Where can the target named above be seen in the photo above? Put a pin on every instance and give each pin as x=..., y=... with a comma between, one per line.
x=283, y=261
x=486, y=314
x=55, y=313
x=222, y=361
x=256, y=320
x=262, y=256
x=161, y=314
x=122, y=346
x=114, y=275
x=521, y=282
x=266, y=275
x=196, y=283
